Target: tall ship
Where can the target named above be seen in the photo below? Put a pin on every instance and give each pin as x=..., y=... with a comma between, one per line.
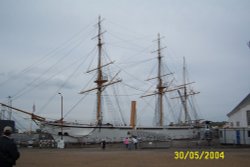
x=75, y=132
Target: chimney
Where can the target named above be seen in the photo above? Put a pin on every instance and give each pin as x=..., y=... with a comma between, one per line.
x=133, y=114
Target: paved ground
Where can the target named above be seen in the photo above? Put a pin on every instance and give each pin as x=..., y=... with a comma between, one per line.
x=94, y=157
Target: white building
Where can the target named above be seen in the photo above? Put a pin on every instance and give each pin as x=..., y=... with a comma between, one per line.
x=238, y=131
x=240, y=115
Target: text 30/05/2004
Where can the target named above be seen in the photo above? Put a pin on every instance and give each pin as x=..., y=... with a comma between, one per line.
x=199, y=155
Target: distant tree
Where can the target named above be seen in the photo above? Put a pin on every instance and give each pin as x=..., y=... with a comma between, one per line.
x=248, y=44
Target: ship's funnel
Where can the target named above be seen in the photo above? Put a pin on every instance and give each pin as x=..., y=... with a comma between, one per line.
x=133, y=114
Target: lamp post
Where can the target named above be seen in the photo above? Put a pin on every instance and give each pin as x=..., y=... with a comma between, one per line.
x=61, y=115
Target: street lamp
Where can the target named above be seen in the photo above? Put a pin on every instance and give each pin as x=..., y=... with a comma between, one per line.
x=61, y=115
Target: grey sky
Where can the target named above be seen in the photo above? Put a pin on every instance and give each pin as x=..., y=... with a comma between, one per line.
x=211, y=34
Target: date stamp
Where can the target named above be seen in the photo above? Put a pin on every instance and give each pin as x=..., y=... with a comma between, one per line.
x=199, y=155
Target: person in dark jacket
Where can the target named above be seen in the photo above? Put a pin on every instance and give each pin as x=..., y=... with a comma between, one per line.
x=8, y=149
x=103, y=144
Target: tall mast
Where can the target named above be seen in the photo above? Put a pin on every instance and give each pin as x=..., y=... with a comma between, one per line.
x=185, y=93
x=100, y=79
x=160, y=86
x=187, y=117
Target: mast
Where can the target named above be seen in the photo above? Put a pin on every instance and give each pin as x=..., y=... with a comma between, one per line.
x=184, y=95
x=161, y=88
x=187, y=117
x=101, y=79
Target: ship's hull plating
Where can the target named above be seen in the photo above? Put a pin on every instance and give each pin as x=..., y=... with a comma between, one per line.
x=80, y=133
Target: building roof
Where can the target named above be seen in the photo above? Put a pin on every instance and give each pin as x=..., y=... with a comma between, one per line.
x=243, y=103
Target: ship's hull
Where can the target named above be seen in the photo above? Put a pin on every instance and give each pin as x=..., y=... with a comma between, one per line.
x=80, y=133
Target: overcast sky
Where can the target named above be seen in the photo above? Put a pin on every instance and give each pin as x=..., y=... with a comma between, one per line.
x=53, y=37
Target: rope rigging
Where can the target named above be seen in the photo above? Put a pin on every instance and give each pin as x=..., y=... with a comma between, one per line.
x=47, y=56
x=21, y=91
x=125, y=66
x=75, y=105
x=65, y=82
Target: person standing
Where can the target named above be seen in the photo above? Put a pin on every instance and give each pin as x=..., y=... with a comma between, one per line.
x=130, y=143
x=135, y=141
x=103, y=144
x=126, y=142
x=8, y=149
